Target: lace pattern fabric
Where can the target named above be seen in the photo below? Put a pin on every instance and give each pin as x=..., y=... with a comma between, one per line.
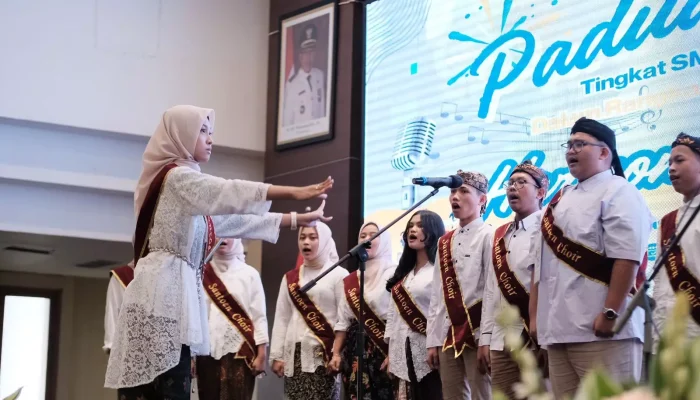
x=419, y=351
x=164, y=307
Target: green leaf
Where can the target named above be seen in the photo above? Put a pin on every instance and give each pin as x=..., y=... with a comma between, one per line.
x=14, y=395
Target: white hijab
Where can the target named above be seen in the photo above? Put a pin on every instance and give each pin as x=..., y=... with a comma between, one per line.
x=326, y=247
x=224, y=259
x=173, y=141
x=375, y=266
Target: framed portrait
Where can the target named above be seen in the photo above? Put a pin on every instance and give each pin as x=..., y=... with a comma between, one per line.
x=306, y=86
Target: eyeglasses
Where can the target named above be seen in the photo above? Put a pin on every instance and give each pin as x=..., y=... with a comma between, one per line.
x=578, y=145
x=518, y=184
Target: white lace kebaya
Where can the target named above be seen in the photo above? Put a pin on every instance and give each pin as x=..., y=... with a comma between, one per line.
x=164, y=306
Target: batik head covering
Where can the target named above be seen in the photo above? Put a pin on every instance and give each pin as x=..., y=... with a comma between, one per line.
x=683, y=139
x=538, y=174
x=478, y=181
x=173, y=141
x=604, y=134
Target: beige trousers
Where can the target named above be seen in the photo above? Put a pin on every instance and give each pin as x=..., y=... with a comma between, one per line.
x=460, y=378
x=569, y=362
x=504, y=373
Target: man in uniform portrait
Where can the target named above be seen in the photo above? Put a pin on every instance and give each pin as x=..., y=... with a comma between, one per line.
x=305, y=91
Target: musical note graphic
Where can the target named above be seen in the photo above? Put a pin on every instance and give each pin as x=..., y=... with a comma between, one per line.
x=470, y=133
x=649, y=117
x=510, y=119
x=446, y=113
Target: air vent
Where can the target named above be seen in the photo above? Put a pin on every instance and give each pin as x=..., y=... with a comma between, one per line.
x=96, y=264
x=21, y=249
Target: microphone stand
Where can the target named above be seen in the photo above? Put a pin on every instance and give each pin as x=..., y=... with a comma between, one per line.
x=641, y=299
x=359, y=252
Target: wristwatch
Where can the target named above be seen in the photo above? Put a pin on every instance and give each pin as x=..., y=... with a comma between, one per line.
x=610, y=314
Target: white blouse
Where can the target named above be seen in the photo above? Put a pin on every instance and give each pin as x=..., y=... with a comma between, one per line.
x=378, y=298
x=243, y=282
x=663, y=292
x=164, y=306
x=289, y=327
x=420, y=287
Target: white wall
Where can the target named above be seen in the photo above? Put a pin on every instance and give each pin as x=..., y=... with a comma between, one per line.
x=116, y=65
x=79, y=183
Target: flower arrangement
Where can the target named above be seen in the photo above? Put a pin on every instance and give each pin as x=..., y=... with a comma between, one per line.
x=674, y=372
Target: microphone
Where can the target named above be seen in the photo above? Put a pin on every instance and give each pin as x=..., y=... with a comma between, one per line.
x=412, y=147
x=452, y=182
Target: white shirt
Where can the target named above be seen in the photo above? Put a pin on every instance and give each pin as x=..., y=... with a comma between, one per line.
x=290, y=328
x=471, y=250
x=419, y=286
x=377, y=298
x=115, y=295
x=304, y=97
x=663, y=292
x=607, y=214
x=243, y=282
x=517, y=240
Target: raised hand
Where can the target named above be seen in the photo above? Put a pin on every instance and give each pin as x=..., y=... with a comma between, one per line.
x=310, y=218
x=314, y=191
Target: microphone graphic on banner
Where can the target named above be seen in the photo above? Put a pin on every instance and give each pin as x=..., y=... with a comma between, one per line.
x=412, y=147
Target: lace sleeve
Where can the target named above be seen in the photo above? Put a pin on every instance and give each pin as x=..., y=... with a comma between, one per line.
x=203, y=194
x=257, y=309
x=265, y=227
x=283, y=314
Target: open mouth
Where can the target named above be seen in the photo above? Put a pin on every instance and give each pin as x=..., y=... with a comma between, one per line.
x=674, y=178
x=572, y=161
x=513, y=197
x=455, y=206
x=306, y=251
x=412, y=238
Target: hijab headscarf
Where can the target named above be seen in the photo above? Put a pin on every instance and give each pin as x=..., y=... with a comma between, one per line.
x=326, y=247
x=223, y=259
x=173, y=141
x=375, y=266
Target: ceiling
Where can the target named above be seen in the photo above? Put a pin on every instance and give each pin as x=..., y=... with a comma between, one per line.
x=64, y=254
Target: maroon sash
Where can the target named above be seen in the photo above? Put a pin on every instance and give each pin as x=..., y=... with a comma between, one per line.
x=374, y=326
x=591, y=264
x=227, y=304
x=408, y=309
x=511, y=288
x=680, y=277
x=464, y=320
x=148, y=210
x=314, y=318
x=124, y=274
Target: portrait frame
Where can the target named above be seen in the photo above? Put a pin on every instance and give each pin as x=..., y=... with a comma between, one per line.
x=306, y=76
